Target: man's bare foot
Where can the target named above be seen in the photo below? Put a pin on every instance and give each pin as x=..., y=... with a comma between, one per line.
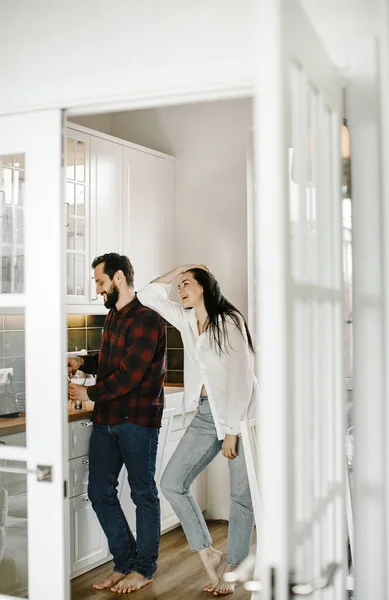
x=131, y=583
x=211, y=559
x=109, y=581
x=223, y=588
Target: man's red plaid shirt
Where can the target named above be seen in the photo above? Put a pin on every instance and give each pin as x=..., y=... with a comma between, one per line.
x=130, y=368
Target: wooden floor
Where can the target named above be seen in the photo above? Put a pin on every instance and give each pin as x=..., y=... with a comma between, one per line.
x=180, y=573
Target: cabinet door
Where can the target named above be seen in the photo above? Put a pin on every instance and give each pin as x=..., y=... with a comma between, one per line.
x=77, y=217
x=12, y=178
x=88, y=542
x=106, y=200
x=79, y=436
x=78, y=476
x=148, y=223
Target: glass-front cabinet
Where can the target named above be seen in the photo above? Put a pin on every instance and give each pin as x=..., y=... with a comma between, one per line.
x=77, y=217
x=12, y=223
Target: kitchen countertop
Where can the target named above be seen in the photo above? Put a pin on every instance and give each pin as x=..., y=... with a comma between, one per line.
x=18, y=424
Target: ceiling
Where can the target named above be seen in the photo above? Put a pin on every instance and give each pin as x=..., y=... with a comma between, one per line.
x=339, y=22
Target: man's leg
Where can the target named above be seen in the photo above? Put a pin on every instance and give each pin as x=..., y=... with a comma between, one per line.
x=105, y=462
x=139, y=450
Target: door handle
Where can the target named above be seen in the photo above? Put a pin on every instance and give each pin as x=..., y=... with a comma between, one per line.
x=321, y=583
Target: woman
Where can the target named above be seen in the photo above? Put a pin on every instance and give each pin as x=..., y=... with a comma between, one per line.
x=219, y=377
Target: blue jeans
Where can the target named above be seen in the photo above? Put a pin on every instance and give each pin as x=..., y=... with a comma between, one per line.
x=197, y=448
x=111, y=446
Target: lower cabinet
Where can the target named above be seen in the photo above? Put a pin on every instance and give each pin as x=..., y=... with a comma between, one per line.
x=88, y=543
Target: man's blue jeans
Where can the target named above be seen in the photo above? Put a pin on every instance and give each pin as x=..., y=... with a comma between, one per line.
x=136, y=447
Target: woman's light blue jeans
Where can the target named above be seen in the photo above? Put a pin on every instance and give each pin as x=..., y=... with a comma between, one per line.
x=197, y=448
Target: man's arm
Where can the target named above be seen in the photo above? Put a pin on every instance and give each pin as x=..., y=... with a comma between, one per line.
x=141, y=342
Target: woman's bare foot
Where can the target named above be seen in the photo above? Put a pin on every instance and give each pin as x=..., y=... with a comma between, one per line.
x=131, y=583
x=111, y=580
x=223, y=588
x=211, y=559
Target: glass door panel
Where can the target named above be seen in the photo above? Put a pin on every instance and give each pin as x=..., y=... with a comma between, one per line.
x=33, y=539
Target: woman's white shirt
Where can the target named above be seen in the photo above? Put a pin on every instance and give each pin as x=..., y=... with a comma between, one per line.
x=229, y=379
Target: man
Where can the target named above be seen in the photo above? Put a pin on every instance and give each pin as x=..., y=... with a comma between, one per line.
x=128, y=398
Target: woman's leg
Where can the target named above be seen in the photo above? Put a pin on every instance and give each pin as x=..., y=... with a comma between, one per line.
x=197, y=448
x=241, y=524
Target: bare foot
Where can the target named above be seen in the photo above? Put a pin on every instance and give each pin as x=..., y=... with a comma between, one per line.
x=211, y=560
x=223, y=588
x=131, y=583
x=109, y=581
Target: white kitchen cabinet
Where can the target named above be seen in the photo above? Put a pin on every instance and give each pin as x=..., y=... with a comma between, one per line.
x=149, y=213
x=12, y=181
x=120, y=198
x=77, y=217
x=88, y=544
x=79, y=436
x=106, y=200
x=78, y=476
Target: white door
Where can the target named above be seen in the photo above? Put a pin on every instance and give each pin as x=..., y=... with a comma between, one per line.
x=299, y=302
x=33, y=547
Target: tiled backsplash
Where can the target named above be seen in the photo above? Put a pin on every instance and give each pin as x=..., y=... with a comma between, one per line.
x=84, y=331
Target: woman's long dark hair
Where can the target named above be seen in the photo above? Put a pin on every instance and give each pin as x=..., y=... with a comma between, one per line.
x=217, y=306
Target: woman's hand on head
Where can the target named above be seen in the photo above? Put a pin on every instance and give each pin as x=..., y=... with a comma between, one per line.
x=229, y=446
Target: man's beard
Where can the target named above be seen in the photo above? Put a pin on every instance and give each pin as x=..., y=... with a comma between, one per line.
x=112, y=296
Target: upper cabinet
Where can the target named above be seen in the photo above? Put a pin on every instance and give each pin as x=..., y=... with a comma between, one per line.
x=77, y=216
x=12, y=224
x=149, y=241
x=119, y=198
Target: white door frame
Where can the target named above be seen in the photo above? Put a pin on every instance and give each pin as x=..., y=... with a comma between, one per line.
x=38, y=135
x=280, y=292
x=369, y=155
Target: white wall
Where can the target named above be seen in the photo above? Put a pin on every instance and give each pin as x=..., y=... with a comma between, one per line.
x=209, y=141
x=72, y=53
x=101, y=123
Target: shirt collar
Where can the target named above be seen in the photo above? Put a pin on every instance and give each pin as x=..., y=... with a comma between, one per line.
x=123, y=312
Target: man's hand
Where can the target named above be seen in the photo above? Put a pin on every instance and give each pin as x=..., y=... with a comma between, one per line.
x=74, y=363
x=78, y=392
x=229, y=446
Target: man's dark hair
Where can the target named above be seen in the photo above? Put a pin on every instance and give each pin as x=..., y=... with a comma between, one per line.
x=113, y=262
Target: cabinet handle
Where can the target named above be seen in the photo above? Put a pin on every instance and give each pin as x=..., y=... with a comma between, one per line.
x=85, y=499
x=85, y=462
x=67, y=214
x=86, y=423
